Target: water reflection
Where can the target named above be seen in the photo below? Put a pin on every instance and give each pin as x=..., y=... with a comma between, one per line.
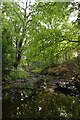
x=41, y=105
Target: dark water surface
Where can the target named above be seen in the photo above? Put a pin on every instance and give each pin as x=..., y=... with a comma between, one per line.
x=41, y=105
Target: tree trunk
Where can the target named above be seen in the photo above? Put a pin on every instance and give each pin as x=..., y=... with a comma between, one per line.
x=17, y=60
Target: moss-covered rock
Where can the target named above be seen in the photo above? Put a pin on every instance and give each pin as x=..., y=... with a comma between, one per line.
x=67, y=69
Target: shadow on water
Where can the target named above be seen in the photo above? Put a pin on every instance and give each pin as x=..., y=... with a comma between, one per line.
x=42, y=105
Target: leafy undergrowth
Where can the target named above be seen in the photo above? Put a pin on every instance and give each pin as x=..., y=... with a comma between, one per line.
x=68, y=69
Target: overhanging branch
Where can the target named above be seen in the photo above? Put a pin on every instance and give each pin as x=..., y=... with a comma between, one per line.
x=67, y=50
x=73, y=41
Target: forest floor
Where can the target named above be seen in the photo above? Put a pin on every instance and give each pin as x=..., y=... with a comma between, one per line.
x=61, y=78
x=66, y=76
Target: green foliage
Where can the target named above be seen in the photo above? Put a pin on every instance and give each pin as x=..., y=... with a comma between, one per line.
x=37, y=71
x=53, y=45
x=44, y=36
x=6, y=88
x=19, y=74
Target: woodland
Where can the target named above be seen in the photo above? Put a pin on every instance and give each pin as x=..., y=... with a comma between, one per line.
x=40, y=59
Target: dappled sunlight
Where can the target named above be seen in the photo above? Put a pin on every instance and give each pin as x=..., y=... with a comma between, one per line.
x=40, y=60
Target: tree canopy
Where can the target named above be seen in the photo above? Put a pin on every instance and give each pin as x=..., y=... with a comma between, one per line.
x=40, y=33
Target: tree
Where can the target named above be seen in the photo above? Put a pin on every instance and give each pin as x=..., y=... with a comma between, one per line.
x=50, y=45
x=40, y=31
x=19, y=22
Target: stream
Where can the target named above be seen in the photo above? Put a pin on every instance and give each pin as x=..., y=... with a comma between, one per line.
x=30, y=99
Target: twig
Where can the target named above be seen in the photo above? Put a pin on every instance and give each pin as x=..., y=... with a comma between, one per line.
x=29, y=14
x=28, y=21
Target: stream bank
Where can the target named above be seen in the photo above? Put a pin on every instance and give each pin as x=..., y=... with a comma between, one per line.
x=44, y=96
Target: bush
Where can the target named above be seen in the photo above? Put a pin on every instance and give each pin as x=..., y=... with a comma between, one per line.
x=19, y=73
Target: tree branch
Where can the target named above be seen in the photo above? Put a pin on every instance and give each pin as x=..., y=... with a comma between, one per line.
x=26, y=4
x=67, y=50
x=73, y=41
x=28, y=21
x=29, y=14
x=20, y=7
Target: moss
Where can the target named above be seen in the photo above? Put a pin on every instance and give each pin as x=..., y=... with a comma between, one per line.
x=67, y=68
x=37, y=71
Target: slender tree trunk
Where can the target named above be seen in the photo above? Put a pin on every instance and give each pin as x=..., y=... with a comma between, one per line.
x=17, y=61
